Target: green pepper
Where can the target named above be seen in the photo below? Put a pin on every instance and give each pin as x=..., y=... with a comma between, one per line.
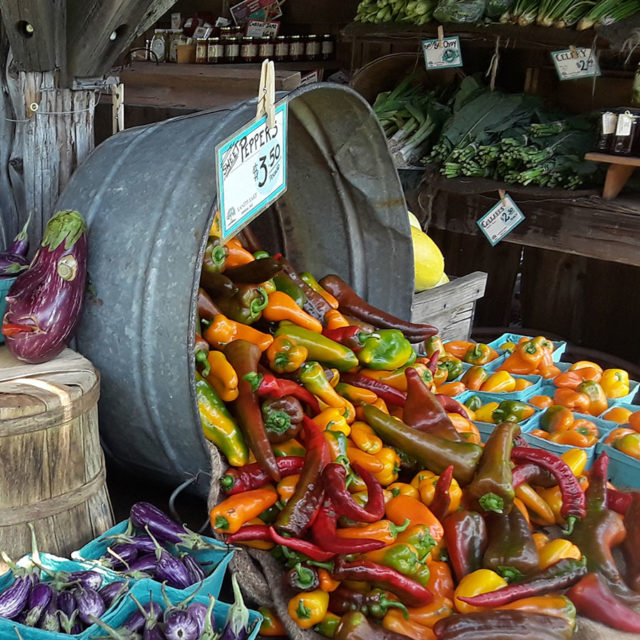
x=378, y=603
x=511, y=411
x=340, y=441
x=386, y=349
x=328, y=625
x=492, y=488
x=433, y=452
x=218, y=425
x=313, y=283
x=452, y=365
x=420, y=537
x=433, y=344
x=478, y=354
x=474, y=403
x=402, y=558
x=511, y=543
x=215, y=256
x=329, y=352
x=246, y=305
x=285, y=284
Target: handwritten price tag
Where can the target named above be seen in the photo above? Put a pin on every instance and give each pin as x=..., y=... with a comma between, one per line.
x=442, y=55
x=500, y=220
x=251, y=171
x=572, y=64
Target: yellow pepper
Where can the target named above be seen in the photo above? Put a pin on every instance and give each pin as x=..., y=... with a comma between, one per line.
x=420, y=476
x=629, y=444
x=485, y=412
x=427, y=490
x=366, y=460
x=362, y=496
x=557, y=550
x=576, y=459
x=473, y=584
x=222, y=376
x=332, y=419
x=287, y=486
x=309, y=608
x=522, y=384
x=365, y=438
x=541, y=539
x=499, y=382
x=403, y=489
x=553, y=498
x=390, y=466
x=535, y=503
x=286, y=355
x=615, y=383
x=291, y=447
x=509, y=347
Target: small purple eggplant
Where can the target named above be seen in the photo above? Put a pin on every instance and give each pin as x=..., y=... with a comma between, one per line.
x=14, y=599
x=196, y=573
x=39, y=600
x=199, y=613
x=44, y=303
x=50, y=622
x=180, y=625
x=138, y=618
x=172, y=571
x=237, y=624
x=143, y=564
x=11, y=266
x=208, y=630
x=89, y=604
x=87, y=579
x=112, y=591
x=146, y=517
x=153, y=633
x=20, y=244
x=67, y=602
x=69, y=622
x=144, y=544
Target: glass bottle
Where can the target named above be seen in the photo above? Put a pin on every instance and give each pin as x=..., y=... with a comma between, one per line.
x=312, y=47
x=159, y=45
x=327, y=47
x=201, y=51
x=232, y=49
x=215, y=50
x=282, y=49
x=296, y=49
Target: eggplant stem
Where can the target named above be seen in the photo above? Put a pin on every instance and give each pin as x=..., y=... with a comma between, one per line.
x=118, y=557
x=176, y=492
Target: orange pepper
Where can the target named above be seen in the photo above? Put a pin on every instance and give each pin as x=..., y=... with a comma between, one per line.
x=572, y=438
x=282, y=306
x=451, y=388
x=618, y=414
x=395, y=622
x=257, y=544
x=515, y=364
x=629, y=444
x=403, y=489
x=474, y=378
x=365, y=438
x=549, y=372
x=327, y=583
x=539, y=433
x=457, y=348
x=230, y=514
x=238, y=255
x=531, y=352
x=271, y=623
x=634, y=421
x=335, y=320
x=522, y=383
x=557, y=418
x=383, y=530
x=598, y=402
x=399, y=509
x=523, y=509
x=222, y=330
x=586, y=428
x=542, y=402
x=287, y=486
x=440, y=579
x=499, y=382
x=222, y=376
x=429, y=614
x=285, y=355
x=395, y=378
x=567, y=380
x=465, y=428
x=585, y=364
x=616, y=434
x=368, y=462
x=573, y=400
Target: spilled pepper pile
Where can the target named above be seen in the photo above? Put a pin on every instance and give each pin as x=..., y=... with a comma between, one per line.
x=389, y=517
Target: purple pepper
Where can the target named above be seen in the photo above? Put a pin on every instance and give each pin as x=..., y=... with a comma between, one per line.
x=14, y=599
x=180, y=625
x=172, y=571
x=194, y=569
x=89, y=604
x=112, y=591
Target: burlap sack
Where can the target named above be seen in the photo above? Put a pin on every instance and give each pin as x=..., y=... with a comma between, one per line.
x=260, y=578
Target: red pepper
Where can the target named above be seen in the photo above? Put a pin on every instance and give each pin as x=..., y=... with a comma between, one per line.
x=452, y=406
x=441, y=498
x=593, y=599
x=334, y=476
x=272, y=387
x=307, y=548
x=251, y=476
x=324, y=533
x=382, y=390
x=573, y=500
x=250, y=532
x=631, y=545
x=12, y=329
x=432, y=364
x=531, y=473
x=618, y=501
x=348, y=336
x=410, y=592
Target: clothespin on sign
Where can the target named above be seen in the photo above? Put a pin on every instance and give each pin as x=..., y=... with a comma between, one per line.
x=267, y=94
x=503, y=196
x=117, y=107
x=574, y=52
x=440, y=35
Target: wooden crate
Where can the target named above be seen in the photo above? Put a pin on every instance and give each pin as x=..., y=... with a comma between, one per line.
x=450, y=306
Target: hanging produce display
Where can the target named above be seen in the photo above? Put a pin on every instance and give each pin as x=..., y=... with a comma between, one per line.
x=546, y=13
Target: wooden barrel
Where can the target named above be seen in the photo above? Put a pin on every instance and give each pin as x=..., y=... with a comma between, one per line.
x=51, y=464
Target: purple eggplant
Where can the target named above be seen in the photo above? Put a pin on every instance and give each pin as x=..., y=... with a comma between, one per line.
x=172, y=571
x=69, y=623
x=20, y=245
x=137, y=619
x=50, y=622
x=67, y=602
x=12, y=266
x=112, y=591
x=146, y=517
x=89, y=604
x=199, y=613
x=88, y=579
x=14, y=599
x=196, y=573
x=153, y=633
x=237, y=624
x=44, y=303
x=180, y=625
x=143, y=564
x=120, y=556
x=39, y=600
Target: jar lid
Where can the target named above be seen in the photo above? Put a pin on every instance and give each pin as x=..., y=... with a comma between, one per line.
x=281, y=38
x=327, y=35
x=298, y=37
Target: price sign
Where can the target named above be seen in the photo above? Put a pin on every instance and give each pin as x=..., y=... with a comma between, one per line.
x=262, y=29
x=442, y=54
x=251, y=168
x=575, y=63
x=501, y=220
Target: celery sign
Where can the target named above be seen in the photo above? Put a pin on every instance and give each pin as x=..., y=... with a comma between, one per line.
x=442, y=54
x=575, y=63
x=501, y=220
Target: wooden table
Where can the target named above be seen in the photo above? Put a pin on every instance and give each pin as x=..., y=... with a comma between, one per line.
x=618, y=173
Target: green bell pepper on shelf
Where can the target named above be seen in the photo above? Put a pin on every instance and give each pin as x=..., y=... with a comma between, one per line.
x=512, y=411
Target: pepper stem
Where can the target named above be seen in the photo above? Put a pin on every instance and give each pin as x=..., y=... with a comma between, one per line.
x=571, y=523
x=492, y=502
x=254, y=379
x=227, y=481
x=395, y=529
x=201, y=359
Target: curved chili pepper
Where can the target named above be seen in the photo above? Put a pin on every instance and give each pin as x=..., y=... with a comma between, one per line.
x=573, y=500
x=250, y=532
x=348, y=336
x=303, y=546
x=252, y=476
x=441, y=498
x=432, y=364
x=452, y=406
x=300, y=509
x=410, y=592
x=533, y=474
x=314, y=304
x=243, y=357
x=383, y=391
x=207, y=308
x=335, y=475
x=424, y=412
x=272, y=387
x=254, y=272
x=353, y=304
x=215, y=256
x=619, y=501
x=558, y=576
x=324, y=533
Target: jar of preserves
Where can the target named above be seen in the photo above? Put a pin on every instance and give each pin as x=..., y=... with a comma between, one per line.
x=248, y=49
x=159, y=45
x=607, y=130
x=201, y=51
x=627, y=131
x=266, y=49
x=225, y=33
x=173, y=37
x=327, y=47
x=282, y=49
x=215, y=50
x=312, y=47
x=232, y=49
x=296, y=49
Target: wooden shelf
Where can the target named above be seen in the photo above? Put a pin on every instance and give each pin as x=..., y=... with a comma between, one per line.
x=618, y=173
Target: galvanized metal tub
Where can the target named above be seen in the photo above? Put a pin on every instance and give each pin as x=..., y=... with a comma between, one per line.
x=149, y=196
